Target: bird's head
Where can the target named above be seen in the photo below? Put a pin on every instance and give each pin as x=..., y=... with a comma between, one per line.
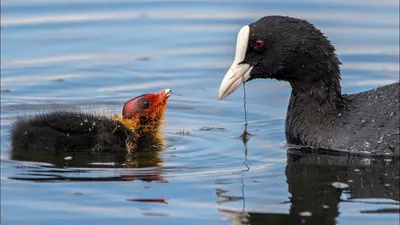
x=145, y=112
x=282, y=48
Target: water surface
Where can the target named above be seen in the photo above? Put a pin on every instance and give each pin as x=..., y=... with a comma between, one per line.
x=97, y=54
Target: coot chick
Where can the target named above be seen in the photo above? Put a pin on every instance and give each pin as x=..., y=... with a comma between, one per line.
x=318, y=116
x=63, y=130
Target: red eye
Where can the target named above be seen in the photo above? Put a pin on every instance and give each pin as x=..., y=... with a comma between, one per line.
x=259, y=44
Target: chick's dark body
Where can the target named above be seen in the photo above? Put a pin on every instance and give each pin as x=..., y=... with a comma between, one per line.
x=70, y=131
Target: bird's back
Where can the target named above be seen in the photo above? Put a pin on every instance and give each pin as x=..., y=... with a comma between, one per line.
x=370, y=121
x=63, y=131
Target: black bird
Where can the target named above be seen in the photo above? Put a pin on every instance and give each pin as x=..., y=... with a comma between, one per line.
x=319, y=116
x=63, y=131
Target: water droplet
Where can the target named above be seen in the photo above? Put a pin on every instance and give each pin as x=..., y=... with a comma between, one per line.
x=26, y=132
x=68, y=158
x=373, y=120
x=392, y=113
x=380, y=140
x=363, y=121
x=387, y=185
x=67, y=134
x=325, y=206
x=94, y=123
x=339, y=185
x=90, y=129
x=81, y=124
x=350, y=181
x=367, y=144
x=366, y=162
x=306, y=213
x=333, y=122
x=85, y=120
x=356, y=170
x=339, y=115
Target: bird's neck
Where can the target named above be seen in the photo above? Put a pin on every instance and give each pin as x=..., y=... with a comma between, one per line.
x=312, y=106
x=141, y=125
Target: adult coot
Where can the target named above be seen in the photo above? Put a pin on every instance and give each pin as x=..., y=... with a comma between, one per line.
x=318, y=116
x=81, y=131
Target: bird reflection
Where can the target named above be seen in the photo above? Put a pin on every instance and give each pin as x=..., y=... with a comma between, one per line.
x=319, y=183
x=147, y=155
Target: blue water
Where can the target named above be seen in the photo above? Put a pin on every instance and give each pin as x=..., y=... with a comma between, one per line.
x=97, y=54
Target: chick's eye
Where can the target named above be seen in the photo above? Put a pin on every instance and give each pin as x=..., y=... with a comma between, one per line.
x=259, y=44
x=146, y=104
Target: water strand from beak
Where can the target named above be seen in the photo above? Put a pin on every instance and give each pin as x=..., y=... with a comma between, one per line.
x=246, y=135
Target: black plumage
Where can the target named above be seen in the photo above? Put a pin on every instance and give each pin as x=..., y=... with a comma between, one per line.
x=70, y=131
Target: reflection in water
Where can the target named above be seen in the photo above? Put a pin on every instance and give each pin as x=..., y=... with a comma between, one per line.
x=147, y=155
x=319, y=183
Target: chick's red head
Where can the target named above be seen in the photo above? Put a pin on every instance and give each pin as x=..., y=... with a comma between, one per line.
x=146, y=112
